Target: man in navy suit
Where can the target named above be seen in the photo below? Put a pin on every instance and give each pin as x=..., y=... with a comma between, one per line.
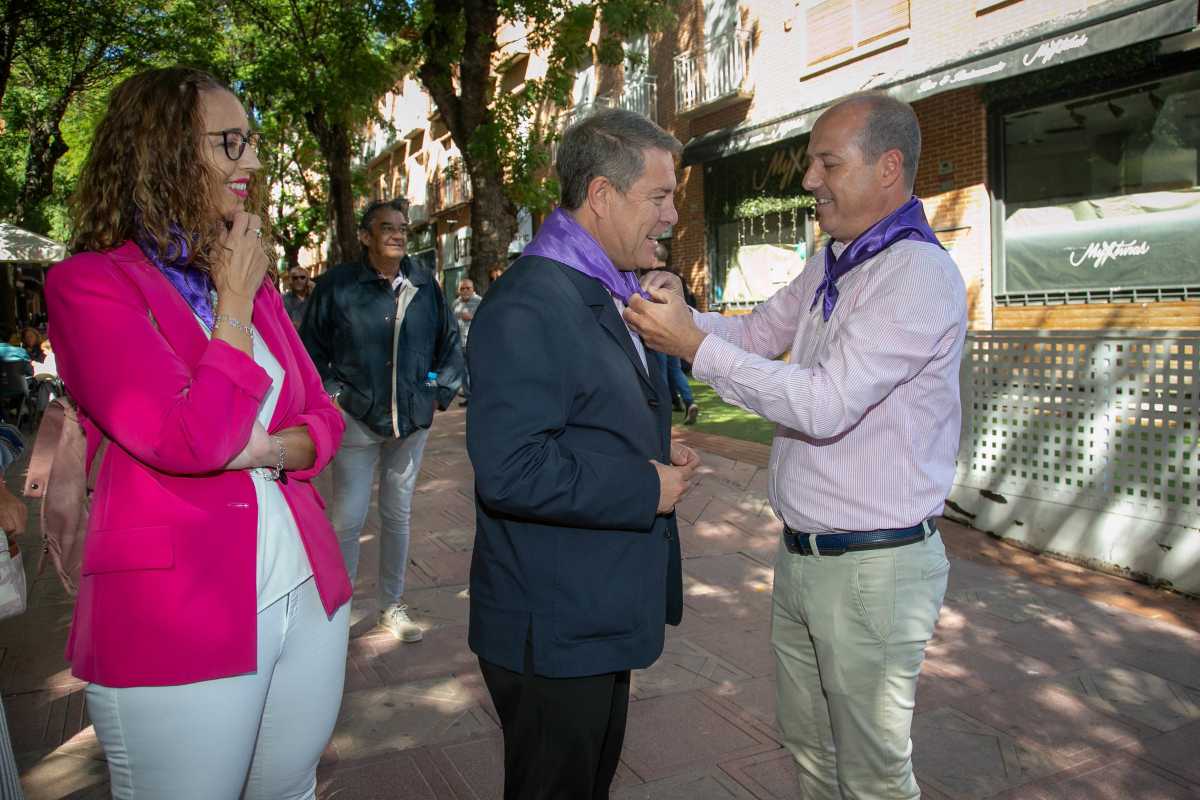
x=576, y=566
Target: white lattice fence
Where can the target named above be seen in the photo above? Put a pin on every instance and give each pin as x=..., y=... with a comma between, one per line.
x=1086, y=443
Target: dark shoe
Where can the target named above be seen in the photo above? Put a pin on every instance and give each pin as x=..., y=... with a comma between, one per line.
x=692, y=415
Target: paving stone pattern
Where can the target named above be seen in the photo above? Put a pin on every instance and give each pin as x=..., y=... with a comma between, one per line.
x=1044, y=680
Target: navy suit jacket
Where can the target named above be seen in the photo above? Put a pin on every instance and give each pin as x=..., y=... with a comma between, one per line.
x=570, y=553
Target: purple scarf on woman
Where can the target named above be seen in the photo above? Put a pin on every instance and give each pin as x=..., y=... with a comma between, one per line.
x=194, y=285
x=564, y=240
x=906, y=222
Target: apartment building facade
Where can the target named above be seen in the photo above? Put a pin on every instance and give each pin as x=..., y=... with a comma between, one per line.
x=1060, y=146
x=1060, y=160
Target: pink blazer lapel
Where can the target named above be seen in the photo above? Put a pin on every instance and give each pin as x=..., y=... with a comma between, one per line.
x=175, y=319
x=170, y=311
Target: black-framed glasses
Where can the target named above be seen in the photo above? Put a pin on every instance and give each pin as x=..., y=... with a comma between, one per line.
x=234, y=142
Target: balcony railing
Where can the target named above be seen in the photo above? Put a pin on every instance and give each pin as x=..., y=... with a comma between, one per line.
x=453, y=188
x=718, y=73
x=640, y=95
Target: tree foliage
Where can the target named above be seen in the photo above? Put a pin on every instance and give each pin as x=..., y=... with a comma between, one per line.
x=452, y=46
x=319, y=67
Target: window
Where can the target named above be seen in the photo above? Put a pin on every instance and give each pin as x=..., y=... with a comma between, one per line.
x=760, y=226
x=1101, y=192
x=841, y=27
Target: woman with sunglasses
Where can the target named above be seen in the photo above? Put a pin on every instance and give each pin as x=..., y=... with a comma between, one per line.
x=212, y=614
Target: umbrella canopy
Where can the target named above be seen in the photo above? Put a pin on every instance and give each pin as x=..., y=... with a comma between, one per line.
x=25, y=247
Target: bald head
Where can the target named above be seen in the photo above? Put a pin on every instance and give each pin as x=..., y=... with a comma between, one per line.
x=887, y=124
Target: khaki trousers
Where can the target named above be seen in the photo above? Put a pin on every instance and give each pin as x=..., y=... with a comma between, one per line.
x=849, y=634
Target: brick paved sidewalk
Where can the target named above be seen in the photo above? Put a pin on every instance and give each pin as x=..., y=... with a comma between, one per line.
x=1045, y=680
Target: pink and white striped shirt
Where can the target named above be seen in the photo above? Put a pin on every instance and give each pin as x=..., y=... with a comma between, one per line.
x=867, y=405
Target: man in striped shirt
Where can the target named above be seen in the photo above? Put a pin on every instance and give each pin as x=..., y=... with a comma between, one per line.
x=867, y=409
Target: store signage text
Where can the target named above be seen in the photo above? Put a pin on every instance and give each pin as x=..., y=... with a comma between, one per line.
x=786, y=164
x=1047, y=51
x=960, y=76
x=1101, y=253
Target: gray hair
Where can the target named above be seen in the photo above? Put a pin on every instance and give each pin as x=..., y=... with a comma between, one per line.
x=609, y=144
x=374, y=207
x=891, y=125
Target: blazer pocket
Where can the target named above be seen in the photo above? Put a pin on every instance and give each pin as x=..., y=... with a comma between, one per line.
x=120, y=550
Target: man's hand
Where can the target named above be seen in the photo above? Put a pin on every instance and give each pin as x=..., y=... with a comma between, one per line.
x=672, y=485
x=661, y=279
x=685, y=458
x=665, y=324
x=13, y=513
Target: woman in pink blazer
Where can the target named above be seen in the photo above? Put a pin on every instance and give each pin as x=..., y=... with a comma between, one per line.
x=212, y=612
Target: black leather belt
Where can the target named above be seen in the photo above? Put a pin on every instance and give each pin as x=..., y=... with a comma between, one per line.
x=835, y=544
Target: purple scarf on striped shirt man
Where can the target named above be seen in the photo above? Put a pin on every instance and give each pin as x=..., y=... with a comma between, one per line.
x=906, y=222
x=564, y=240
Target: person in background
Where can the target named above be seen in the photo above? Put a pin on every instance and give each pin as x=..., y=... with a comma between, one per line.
x=213, y=609
x=386, y=345
x=867, y=411
x=296, y=298
x=464, y=311
x=47, y=365
x=681, y=390
x=494, y=275
x=31, y=340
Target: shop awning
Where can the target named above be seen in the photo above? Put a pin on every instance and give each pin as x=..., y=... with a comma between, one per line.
x=1095, y=32
x=20, y=246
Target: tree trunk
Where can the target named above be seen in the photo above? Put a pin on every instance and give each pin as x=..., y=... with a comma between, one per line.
x=493, y=225
x=10, y=31
x=334, y=140
x=291, y=255
x=46, y=147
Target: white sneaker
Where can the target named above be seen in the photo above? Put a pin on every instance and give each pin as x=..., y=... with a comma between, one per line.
x=395, y=618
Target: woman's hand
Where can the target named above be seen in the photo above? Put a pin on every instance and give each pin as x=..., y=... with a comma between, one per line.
x=259, y=451
x=238, y=275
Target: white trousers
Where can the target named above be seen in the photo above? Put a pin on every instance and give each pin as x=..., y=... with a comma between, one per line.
x=255, y=736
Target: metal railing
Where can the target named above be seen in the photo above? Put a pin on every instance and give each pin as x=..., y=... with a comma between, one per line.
x=718, y=71
x=640, y=95
x=1085, y=443
x=453, y=188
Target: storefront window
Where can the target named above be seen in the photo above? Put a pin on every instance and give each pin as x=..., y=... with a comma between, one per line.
x=760, y=223
x=1101, y=192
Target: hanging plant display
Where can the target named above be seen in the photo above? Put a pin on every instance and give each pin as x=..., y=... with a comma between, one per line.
x=751, y=207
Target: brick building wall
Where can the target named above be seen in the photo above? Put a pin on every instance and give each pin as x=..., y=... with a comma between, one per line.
x=952, y=182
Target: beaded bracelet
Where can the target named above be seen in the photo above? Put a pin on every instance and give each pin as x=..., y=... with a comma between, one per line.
x=234, y=323
x=277, y=472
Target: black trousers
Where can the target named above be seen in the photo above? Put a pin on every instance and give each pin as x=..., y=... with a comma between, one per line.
x=562, y=736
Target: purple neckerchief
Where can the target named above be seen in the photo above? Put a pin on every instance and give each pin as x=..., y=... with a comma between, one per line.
x=564, y=240
x=193, y=284
x=906, y=222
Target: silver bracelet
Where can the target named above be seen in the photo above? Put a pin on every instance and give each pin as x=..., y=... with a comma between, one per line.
x=234, y=323
x=277, y=471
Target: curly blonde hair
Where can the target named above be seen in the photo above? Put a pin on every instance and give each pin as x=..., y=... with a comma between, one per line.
x=145, y=165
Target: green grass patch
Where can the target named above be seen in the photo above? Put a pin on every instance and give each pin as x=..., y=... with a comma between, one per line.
x=723, y=419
